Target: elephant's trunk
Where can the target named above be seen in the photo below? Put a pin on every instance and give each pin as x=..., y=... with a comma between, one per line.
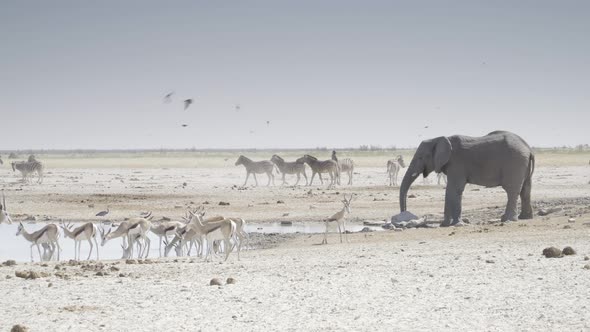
x=409, y=178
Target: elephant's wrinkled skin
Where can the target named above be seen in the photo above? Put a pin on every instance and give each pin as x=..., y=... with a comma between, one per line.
x=500, y=158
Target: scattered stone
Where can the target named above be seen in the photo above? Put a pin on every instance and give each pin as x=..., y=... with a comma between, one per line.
x=114, y=269
x=586, y=258
x=490, y=261
x=101, y=274
x=366, y=230
x=215, y=282
x=9, y=262
x=285, y=214
x=280, y=202
x=545, y=212
x=27, y=274
x=568, y=251
x=388, y=226
x=567, y=227
x=571, y=220
x=552, y=252
x=587, y=266
x=224, y=203
x=411, y=196
x=286, y=223
x=206, y=203
x=19, y=328
x=131, y=261
x=122, y=275
x=231, y=281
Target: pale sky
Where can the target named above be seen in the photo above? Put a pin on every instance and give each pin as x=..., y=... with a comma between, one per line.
x=92, y=74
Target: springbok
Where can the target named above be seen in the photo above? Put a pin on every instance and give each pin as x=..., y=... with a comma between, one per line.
x=165, y=229
x=340, y=218
x=318, y=167
x=48, y=234
x=4, y=215
x=257, y=167
x=223, y=230
x=85, y=232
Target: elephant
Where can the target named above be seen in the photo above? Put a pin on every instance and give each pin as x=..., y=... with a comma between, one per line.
x=500, y=158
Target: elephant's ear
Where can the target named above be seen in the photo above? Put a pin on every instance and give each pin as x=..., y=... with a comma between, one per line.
x=442, y=153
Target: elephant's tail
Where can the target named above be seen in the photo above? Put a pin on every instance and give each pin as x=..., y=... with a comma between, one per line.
x=531, y=165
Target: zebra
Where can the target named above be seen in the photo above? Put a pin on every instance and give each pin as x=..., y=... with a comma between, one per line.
x=393, y=167
x=257, y=167
x=290, y=168
x=346, y=165
x=27, y=169
x=318, y=167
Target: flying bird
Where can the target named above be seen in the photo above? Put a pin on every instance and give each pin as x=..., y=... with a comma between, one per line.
x=267, y=123
x=103, y=213
x=168, y=97
x=426, y=127
x=187, y=103
x=238, y=107
x=184, y=125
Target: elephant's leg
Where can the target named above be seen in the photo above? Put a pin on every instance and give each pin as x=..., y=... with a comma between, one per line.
x=511, y=205
x=453, y=198
x=526, y=210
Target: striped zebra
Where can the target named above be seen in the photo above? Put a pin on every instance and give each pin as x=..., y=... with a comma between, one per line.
x=27, y=169
x=346, y=166
x=257, y=167
x=318, y=167
x=289, y=168
x=393, y=167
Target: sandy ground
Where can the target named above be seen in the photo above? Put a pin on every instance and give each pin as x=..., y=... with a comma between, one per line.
x=480, y=277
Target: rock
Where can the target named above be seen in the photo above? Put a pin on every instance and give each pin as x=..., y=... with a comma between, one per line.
x=223, y=203
x=366, y=230
x=280, y=202
x=231, y=281
x=101, y=274
x=567, y=227
x=114, y=269
x=285, y=214
x=131, y=261
x=388, y=226
x=571, y=220
x=404, y=216
x=586, y=258
x=215, y=282
x=587, y=266
x=21, y=274
x=9, y=262
x=19, y=328
x=286, y=223
x=552, y=252
x=545, y=212
x=489, y=261
x=122, y=275
x=466, y=220
x=49, y=285
x=412, y=196
x=568, y=251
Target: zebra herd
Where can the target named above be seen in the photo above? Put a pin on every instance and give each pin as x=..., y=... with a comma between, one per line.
x=334, y=167
x=28, y=168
